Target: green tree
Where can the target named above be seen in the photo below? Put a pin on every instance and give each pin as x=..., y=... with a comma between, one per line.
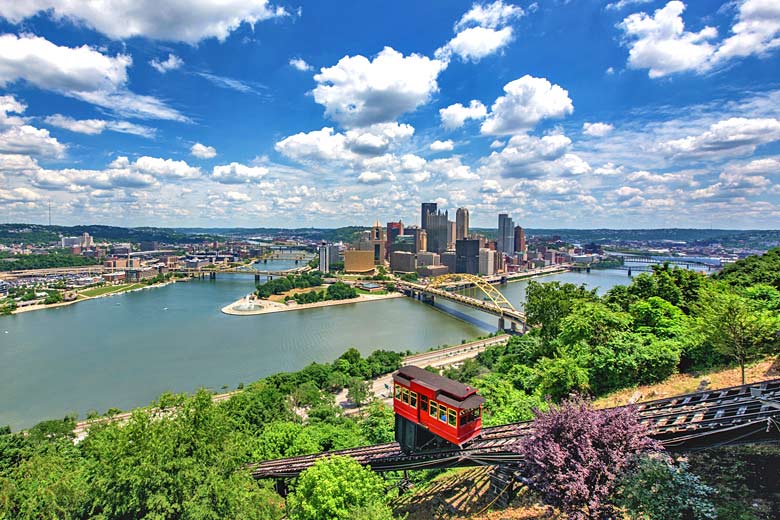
x=592, y=323
x=357, y=391
x=337, y=488
x=378, y=426
x=560, y=376
x=547, y=304
x=734, y=327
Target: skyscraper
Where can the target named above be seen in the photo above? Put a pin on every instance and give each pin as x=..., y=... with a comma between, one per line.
x=438, y=225
x=506, y=230
x=394, y=229
x=467, y=256
x=519, y=240
x=451, y=234
x=427, y=208
x=325, y=259
x=461, y=224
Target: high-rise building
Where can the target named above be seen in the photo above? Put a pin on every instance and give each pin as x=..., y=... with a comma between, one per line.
x=403, y=262
x=66, y=242
x=427, y=208
x=375, y=241
x=461, y=224
x=394, y=229
x=428, y=258
x=487, y=261
x=519, y=240
x=420, y=238
x=325, y=260
x=450, y=260
x=467, y=255
x=86, y=241
x=438, y=228
x=451, y=234
x=506, y=232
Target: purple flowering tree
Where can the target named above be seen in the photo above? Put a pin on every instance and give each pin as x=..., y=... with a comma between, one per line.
x=575, y=456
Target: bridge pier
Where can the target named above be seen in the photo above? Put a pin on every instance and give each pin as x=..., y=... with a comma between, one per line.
x=257, y=278
x=501, y=323
x=212, y=275
x=629, y=271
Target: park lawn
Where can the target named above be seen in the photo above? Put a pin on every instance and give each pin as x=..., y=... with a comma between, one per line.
x=361, y=291
x=110, y=289
x=292, y=292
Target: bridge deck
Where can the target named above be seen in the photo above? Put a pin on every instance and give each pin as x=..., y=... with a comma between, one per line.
x=680, y=423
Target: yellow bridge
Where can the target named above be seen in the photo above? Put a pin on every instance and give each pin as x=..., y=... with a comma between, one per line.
x=444, y=287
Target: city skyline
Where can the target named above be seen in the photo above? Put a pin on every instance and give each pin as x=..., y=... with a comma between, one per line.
x=591, y=114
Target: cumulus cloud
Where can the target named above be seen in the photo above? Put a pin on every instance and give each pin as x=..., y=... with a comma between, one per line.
x=756, y=32
x=455, y=116
x=329, y=145
x=201, y=151
x=79, y=72
x=378, y=138
x=236, y=173
x=530, y=156
x=171, y=63
x=527, y=101
x=597, y=129
x=300, y=64
x=97, y=126
x=453, y=169
x=734, y=136
x=237, y=196
x=480, y=32
x=182, y=20
x=661, y=44
x=166, y=168
x=360, y=92
x=19, y=195
x=26, y=139
x=442, y=146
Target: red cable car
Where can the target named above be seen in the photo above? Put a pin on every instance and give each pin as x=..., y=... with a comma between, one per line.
x=432, y=411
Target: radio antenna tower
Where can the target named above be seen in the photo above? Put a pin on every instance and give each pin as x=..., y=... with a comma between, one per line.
x=49, y=213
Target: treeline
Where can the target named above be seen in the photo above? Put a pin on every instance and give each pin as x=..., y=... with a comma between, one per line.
x=666, y=321
x=47, y=261
x=42, y=235
x=191, y=462
x=336, y=291
x=289, y=282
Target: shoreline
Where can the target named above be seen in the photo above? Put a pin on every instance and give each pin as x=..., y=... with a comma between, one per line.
x=82, y=298
x=270, y=307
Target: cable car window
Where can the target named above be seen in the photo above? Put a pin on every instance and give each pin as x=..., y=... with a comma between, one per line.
x=443, y=414
x=452, y=418
x=434, y=409
x=413, y=400
x=398, y=392
x=424, y=402
x=405, y=395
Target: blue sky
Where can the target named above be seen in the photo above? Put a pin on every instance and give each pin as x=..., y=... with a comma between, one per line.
x=579, y=113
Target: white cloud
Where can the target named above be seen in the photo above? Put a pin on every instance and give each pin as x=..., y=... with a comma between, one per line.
x=10, y=105
x=452, y=168
x=373, y=177
x=548, y=186
x=529, y=156
x=475, y=43
x=317, y=145
x=171, y=63
x=237, y=196
x=97, y=126
x=26, y=139
x=621, y=4
x=229, y=83
x=300, y=64
x=661, y=44
x=166, y=168
x=359, y=92
x=19, y=195
x=497, y=144
x=597, y=129
x=481, y=31
x=454, y=116
x=609, y=169
x=628, y=191
x=235, y=173
x=181, y=20
x=734, y=136
x=442, y=146
x=378, y=138
x=527, y=101
x=201, y=151
x=78, y=72
x=757, y=31
x=489, y=15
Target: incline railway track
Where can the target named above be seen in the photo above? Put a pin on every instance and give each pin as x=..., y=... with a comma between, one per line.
x=738, y=414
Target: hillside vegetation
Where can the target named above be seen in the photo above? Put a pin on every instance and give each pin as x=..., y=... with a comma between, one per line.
x=191, y=463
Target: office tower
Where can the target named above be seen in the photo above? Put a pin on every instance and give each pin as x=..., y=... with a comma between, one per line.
x=394, y=229
x=519, y=240
x=420, y=238
x=467, y=256
x=375, y=241
x=461, y=224
x=450, y=260
x=428, y=258
x=451, y=232
x=325, y=260
x=438, y=224
x=403, y=262
x=427, y=208
x=487, y=261
x=506, y=231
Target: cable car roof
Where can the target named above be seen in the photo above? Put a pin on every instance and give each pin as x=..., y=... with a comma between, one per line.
x=458, y=391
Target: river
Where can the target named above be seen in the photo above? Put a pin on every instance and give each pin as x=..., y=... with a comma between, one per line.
x=125, y=350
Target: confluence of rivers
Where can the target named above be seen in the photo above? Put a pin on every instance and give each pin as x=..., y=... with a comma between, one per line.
x=125, y=350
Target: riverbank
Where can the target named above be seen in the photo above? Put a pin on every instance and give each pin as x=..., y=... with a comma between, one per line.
x=248, y=307
x=83, y=297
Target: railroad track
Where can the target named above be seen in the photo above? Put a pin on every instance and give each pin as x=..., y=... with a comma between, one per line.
x=738, y=414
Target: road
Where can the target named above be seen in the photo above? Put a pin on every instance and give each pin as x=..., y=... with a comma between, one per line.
x=382, y=385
